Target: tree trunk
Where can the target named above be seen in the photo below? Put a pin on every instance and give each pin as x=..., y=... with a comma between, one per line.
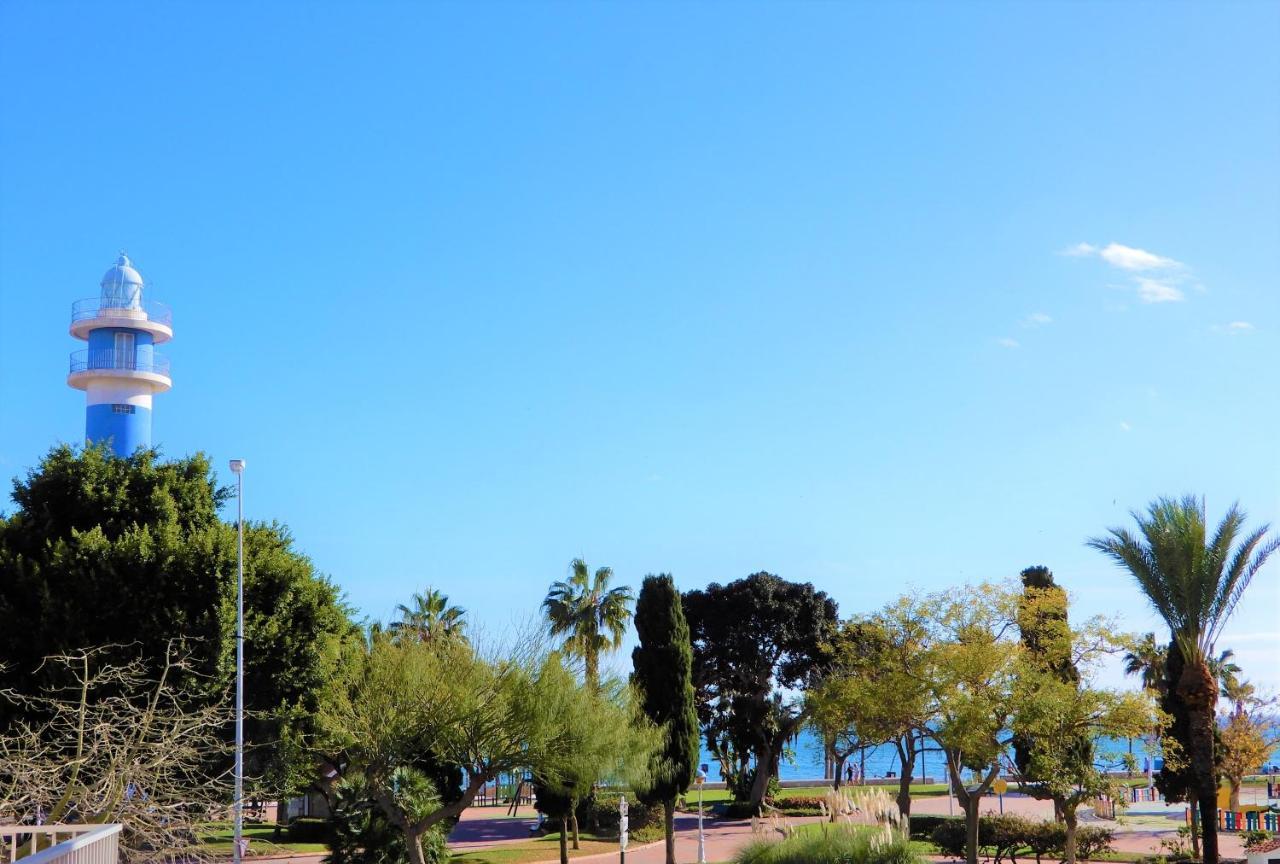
x=1198, y=690
x=907, y=756
x=669, y=829
x=592, y=671
x=413, y=845
x=1209, y=826
x=564, y=841
x=840, y=760
x=971, y=828
x=1234, y=803
x=760, y=783
x=573, y=820
x=1195, y=828
x=1069, y=852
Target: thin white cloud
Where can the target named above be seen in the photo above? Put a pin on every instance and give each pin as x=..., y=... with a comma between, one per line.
x=1124, y=426
x=1036, y=319
x=1080, y=250
x=1006, y=342
x=1157, y=291
x=1234, y=328
x=1130, y=258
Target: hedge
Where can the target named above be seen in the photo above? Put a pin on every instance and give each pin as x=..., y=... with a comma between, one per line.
x=1004, y=836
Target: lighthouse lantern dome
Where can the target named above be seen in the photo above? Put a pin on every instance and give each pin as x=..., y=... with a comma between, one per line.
x=122, y=285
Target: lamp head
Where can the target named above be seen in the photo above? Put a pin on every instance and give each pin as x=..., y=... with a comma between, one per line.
x=237, y=466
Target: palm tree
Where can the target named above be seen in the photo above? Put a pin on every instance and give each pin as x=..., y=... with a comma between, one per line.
x=1223, y=668
x=1194, y=581
x=1146, y=660
x=1238, y=692
x=590, y=615
x=429, y=616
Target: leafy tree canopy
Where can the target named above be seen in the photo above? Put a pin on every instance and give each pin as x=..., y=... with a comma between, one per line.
x=128, y=554
x=753, y=639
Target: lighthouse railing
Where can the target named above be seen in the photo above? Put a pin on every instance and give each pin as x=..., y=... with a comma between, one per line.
x=139, y=360
x=121, y=307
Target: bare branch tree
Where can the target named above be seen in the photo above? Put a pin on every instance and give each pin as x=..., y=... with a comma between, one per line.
x=118, y=744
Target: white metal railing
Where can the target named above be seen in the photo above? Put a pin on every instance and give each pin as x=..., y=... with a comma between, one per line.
x=60, y=844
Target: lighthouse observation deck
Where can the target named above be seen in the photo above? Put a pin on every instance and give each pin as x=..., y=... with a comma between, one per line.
x=133, y=312
x=141, y=364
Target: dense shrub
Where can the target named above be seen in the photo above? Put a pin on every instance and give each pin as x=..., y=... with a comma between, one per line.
x=949, y=837
x=1005, y=835
x=831, y=844
x=737, y=810
x=922, y=826
x=308, y=829
x=599, y=813
x=1091, y=840
x=1256, y=837
x=1047, y=838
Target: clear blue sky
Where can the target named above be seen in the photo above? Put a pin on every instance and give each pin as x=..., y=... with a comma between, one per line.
x=701, y=288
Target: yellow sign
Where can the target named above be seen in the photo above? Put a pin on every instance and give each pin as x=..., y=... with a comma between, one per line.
x=1000, y=786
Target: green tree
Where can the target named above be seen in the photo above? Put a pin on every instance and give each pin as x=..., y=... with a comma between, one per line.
x=600, y=735
x=1194, y=581
x=397, y=701
x=430, y=616
x=1047, y=653
x=970, y=670
x=872, y=681
x=1058, y=714
x=590, y=615
x=1146, y=660
x=663, y=675
x=753, y=640
x=127, y=554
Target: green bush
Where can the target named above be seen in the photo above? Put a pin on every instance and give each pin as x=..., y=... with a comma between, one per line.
x=949, y=836
x=1091, y=840
x=1004, y=834
x=737, y=810
x=308, y=829
x=922, y=826
x=1046, y=838
x=1254, y=837
x=833, y=844
x=599, y=813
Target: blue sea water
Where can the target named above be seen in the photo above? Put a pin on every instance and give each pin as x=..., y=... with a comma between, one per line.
x=805, y=759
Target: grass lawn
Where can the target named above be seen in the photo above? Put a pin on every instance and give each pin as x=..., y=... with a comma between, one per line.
x=540, y=849
x=217, y=841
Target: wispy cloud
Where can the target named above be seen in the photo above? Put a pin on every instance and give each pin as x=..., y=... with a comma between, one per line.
x=1165, y=274
x=1129, y=258
x=1080, y=250
x=1124, y=426
x=1157, y=291
x=1006, y=342
x=1036, y=319
x=1234, y=328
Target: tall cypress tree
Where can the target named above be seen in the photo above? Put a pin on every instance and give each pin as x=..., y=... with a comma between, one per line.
x=663, y=665
x=1046, y=637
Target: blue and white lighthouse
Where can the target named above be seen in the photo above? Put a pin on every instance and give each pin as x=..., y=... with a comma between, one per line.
x=120, y=370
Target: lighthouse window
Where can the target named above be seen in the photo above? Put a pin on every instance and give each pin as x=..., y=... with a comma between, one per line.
x=122, y=409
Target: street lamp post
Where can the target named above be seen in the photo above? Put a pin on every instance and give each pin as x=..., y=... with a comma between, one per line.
x=237, y=467
x=702, y=840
